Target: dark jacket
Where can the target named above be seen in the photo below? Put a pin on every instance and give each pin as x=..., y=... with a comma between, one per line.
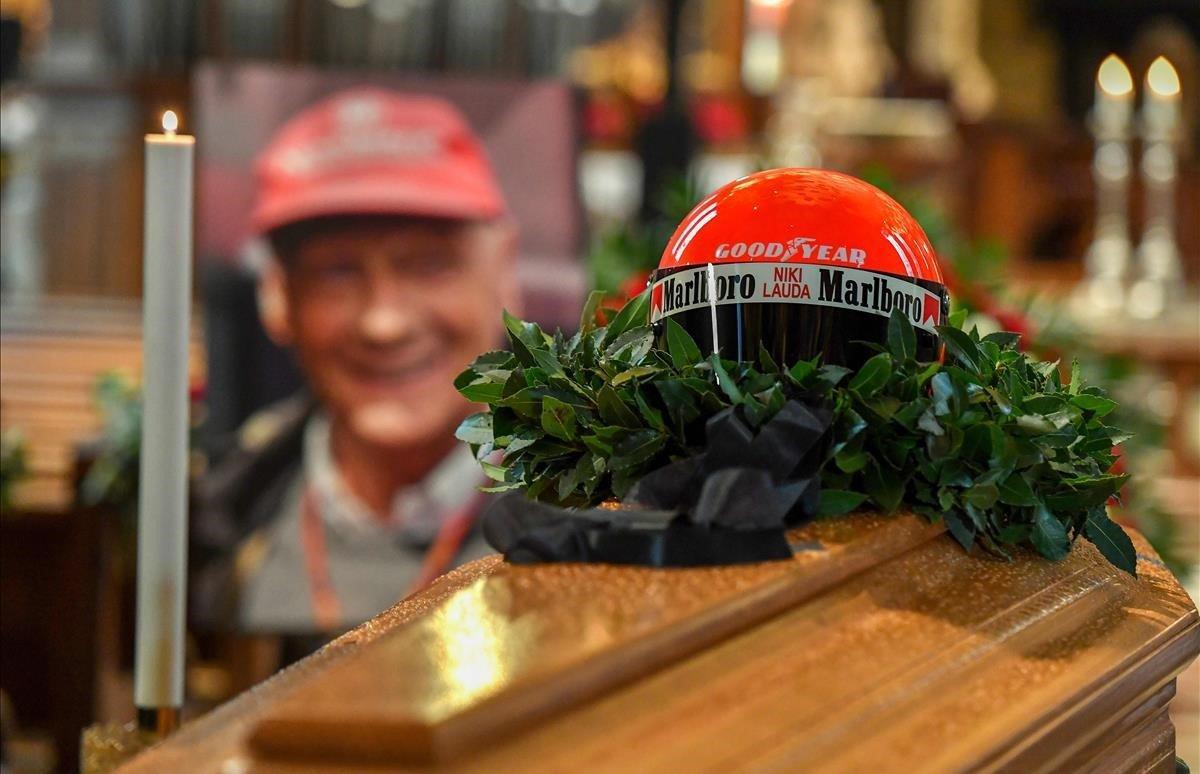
x=241, y=492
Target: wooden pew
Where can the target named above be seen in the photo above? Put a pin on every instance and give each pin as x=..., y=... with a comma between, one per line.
x=52, y=352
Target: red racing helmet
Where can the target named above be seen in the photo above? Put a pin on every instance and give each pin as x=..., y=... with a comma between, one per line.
x=804, y=262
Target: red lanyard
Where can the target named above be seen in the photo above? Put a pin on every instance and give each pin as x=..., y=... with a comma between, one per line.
x=327, y=610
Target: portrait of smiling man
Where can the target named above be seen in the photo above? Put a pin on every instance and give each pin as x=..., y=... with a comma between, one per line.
x=393, y=257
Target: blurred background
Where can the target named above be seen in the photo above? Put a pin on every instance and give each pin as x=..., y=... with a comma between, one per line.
x=606, y=121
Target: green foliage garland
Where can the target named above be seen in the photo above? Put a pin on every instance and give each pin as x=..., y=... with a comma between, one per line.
x=14, y=464
x=991, y=442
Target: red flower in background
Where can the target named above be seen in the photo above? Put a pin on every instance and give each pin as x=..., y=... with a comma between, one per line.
x=635, y=283
x=606, y=119
x=719, y=120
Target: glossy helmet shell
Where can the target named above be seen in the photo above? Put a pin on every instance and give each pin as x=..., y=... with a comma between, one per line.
x=804, y=262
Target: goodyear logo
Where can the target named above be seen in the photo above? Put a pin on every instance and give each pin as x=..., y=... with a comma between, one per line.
x=804, y=247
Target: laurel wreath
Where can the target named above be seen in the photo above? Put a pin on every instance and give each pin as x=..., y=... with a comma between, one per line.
x=993, y=443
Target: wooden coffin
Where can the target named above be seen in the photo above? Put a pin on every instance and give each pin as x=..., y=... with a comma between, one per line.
x=880, y=646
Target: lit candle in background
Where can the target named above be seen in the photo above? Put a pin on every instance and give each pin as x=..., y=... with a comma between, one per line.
x=1103, y=290
x=162, y=500
x=1160, y=105
x=1114, y=97
x=1160, y=280
x=762, y=45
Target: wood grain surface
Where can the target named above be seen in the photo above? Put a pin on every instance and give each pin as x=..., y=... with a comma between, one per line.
x=882, y=647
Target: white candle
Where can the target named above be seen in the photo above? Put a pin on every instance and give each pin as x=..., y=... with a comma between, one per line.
x=1108, y=256
x=162, y=502
x=1158, y=287
x=1160, y=105
x=1114, y=99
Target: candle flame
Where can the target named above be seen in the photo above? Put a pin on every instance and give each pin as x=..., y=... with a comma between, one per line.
x=1114, y=77
x=170, y=122
x=1162, y=78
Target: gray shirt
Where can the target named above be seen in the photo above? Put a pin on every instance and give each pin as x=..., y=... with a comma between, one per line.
x=372, y=563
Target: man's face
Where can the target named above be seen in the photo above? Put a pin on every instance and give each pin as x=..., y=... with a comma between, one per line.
x=385, y=313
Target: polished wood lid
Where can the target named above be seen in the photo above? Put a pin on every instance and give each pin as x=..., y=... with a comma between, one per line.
x=881, y=644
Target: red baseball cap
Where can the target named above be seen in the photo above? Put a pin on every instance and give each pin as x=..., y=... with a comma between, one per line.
x=368, y=151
